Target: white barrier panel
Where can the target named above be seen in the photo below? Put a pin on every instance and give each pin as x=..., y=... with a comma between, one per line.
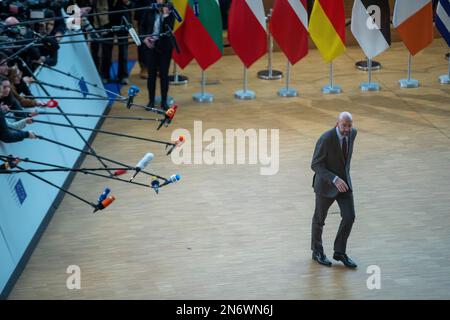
x=25, y=200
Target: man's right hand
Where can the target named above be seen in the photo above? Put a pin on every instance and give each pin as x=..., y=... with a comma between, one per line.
x=341, y=185
x=31, y=135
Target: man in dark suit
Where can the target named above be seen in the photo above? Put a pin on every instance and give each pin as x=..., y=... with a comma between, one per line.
x=158, y=51
x=332, y=182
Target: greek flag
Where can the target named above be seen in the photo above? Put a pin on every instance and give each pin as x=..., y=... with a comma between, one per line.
x=443, y=19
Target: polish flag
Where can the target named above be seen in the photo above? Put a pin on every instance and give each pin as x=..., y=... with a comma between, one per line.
x=247, y=30
x=289, y=27
x=413, y=20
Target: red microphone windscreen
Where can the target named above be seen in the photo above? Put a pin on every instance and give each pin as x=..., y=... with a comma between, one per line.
x=120, y=172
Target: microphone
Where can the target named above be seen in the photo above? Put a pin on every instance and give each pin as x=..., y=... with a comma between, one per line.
x=174, y=178
x=177, y=14
x=103, y=196
x=52, y=103
x=196, y=10
x=177, y=143
x=132, y=92
x=168, y=116
x=11, y=163
x=132, y=32
x=180, y=141
x=173, y=40
x=156, y=6
x=119, y=172
x=143, y=163
x=106, y=202
x=155, y=185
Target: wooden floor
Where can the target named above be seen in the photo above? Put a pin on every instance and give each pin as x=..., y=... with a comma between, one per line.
x=227, y=232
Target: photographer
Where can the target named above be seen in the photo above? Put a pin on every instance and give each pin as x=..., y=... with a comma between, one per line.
x=25, y=36
x=49, y=50
x=101, y=51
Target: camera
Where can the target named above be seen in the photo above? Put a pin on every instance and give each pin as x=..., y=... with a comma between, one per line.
x=29, y=9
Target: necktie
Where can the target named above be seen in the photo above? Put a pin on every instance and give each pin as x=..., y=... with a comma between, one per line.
x=345, y=149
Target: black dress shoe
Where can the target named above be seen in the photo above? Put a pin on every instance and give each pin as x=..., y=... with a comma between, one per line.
x=345, y=260
x=321, y=259
x=164, y=106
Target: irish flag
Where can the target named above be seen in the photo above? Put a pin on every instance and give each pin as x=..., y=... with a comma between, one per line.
x=327, y=28
x=202, y=35
x=289, y=27
x=184, y=57
x=413, y=20
x=247, y=30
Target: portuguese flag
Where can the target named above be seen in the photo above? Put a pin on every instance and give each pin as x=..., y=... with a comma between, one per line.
x=202, y=35
x=185, y=56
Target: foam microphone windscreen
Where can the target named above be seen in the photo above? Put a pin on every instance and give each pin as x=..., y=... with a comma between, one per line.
x=145, y=161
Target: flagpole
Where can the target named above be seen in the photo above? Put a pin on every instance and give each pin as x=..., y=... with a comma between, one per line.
x=370, y=86
x=203, y=96
x=177, y=79
x=445, y=79
x=270, y=74
x=288, y=92
x=409, y=82
x=245, y=94
x=409, y=67
x=331, y=88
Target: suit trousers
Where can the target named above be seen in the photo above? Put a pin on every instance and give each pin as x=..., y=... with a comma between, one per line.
x=158, y=59
x=347, y=208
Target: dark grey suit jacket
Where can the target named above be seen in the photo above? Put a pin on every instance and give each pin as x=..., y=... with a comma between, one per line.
x=328, y=162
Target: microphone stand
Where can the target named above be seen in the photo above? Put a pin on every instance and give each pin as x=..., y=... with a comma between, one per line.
x=100, y=157
x=69, y=98
x=67, y=34
x=81, y=41
x=88, y=115
x=88, y=83
x=100, y=131
x=64, y=169
x=68, y=89
x=35, y=21
x=65, y=116
x=62, y=189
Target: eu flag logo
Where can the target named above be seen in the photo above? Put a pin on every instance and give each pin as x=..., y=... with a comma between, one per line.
x=83, y=87
x=20, y=191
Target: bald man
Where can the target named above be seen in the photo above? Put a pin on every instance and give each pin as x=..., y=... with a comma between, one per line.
x=332, y=182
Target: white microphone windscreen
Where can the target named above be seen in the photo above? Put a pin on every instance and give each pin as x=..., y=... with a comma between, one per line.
x=145, y=161
x=134, y=36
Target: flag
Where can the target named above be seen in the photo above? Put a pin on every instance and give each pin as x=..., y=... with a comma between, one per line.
x=184, y=57
x=327, y=28
x=247, y=30
x=414, y=22
x=443, y=19
x=289, y=28
x=371, y=26
x=202, y=35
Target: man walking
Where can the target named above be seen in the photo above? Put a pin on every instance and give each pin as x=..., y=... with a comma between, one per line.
x=332, y=182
